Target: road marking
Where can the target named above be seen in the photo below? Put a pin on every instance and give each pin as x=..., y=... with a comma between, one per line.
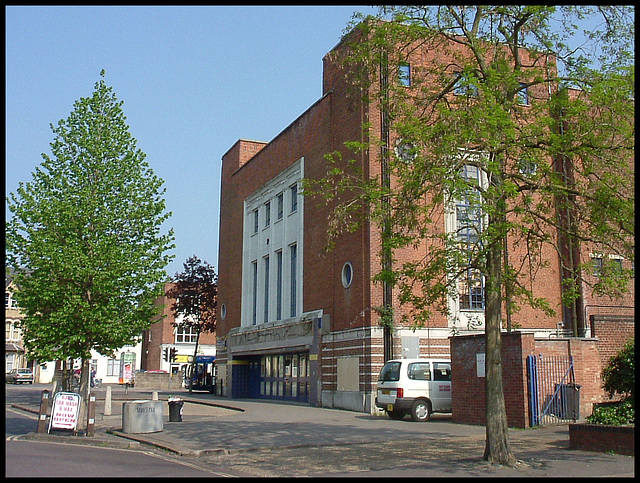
x=190, y=465
x=23, y=413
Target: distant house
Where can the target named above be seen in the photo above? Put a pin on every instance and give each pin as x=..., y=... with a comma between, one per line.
x=164, y=338
x=14, y=353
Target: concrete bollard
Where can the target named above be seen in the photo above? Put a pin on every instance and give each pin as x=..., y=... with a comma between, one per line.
x=142, y=416
x=107, y=402
x=154, y=396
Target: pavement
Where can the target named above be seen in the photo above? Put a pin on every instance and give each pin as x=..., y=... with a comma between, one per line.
x=214, y=427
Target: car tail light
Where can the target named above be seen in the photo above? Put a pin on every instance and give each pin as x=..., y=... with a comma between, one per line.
x=399, y=392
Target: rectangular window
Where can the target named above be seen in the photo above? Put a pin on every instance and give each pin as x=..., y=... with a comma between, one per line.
x=186, y=334
x=464, y=86
x=294, y=197
x=113, y=367
x=404, y=74
x=597, y=266
x=280, y=205
x=279, y=285
x=255, y=220
x=523, y=95
x=616, y=263
x=267, y=214
x=254, y=317
x=294, y=259
x=471, y=290
x=469, y=227
x=266, y=289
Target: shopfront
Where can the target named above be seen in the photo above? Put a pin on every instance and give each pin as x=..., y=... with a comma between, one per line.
x=285, y=376
x=273, y=361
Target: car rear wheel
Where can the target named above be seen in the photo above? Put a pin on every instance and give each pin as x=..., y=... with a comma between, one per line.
x=396, y=414
x=420, y=410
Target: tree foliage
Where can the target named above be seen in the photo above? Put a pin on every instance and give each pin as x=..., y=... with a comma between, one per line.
x=549, y=134
x=86, y=236
x=619, y=376
x=195, y=295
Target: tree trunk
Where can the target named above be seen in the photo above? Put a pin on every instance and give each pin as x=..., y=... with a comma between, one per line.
x=193, y=363
x=498, y=446
x=85, y=390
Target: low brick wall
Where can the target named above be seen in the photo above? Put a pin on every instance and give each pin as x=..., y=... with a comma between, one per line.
x=468, y=392
x=158, y=380
x=602, y=438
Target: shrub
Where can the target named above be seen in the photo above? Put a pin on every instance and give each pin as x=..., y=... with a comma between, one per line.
x=619, y=413
x=618, y=378
x=619, y=375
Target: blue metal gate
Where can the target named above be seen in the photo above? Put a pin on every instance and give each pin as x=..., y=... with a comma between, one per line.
x=554, y=397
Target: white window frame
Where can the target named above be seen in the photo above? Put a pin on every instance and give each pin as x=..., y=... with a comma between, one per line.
x=464, y=318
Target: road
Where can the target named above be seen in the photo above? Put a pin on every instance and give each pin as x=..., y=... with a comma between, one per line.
x=25, y=458
x=280, y=440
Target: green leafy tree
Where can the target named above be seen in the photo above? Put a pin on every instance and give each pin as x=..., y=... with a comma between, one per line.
x=86, y=238
x=195, y=291
x=516, y=132
x=619, y=378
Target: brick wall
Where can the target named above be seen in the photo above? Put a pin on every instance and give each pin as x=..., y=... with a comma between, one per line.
x=612, y=333
x=603, y=439
x=468, y=390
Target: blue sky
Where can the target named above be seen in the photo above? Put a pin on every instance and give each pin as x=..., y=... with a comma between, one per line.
x=194, y=80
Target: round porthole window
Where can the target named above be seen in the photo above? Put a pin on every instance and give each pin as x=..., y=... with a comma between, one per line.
x=347, y=275
x=405, y=151
x=223, y=311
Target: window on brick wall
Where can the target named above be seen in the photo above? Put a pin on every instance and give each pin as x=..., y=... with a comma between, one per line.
x=469, y=226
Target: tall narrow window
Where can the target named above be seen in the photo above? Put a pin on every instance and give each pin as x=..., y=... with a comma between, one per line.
x=294, y=197
x=404, y=74
x=469, y=226
x=266, y=289
x=255, y=292
x=280, y=205
x=279, y=285
x=523, y=95
x=255, y=220
x=294, y=260
x=267, y=214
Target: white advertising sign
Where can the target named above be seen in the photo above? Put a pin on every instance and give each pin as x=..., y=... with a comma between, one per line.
x=480, y=364
x=64, y=414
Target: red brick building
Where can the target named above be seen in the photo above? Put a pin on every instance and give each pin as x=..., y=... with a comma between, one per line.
x=296, y=322
x=163, y=336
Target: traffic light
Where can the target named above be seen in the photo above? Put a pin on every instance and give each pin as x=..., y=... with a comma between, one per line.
x=173, y=354
x=165, y=354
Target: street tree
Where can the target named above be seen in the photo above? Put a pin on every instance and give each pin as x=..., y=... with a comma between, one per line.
x=195, y=295
x=86, y=238
x=526, y=139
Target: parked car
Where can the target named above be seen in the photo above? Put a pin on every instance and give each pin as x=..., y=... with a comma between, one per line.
x=19, y=376
x=419, y=387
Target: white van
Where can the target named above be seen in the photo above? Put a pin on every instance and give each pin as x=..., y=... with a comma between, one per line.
x=415, y=386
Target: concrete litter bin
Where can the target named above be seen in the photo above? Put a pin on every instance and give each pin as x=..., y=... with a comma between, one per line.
x=142, y=416
x=175, y=409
